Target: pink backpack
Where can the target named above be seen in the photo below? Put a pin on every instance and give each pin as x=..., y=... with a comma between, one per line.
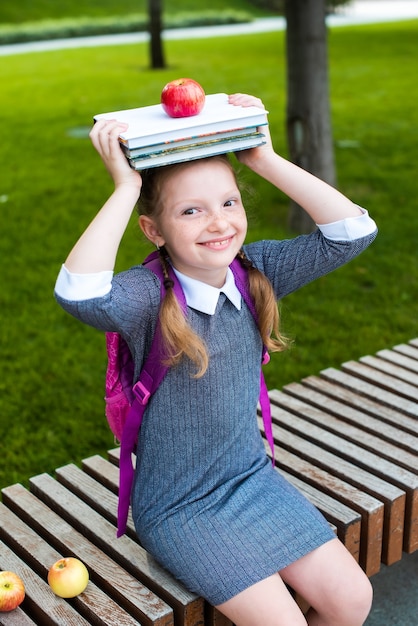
x=126, y=402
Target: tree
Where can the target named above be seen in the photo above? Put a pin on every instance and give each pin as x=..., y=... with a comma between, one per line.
x=308, y=117
x=155, y=11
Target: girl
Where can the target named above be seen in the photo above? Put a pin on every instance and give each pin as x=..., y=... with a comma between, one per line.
x=206, y=500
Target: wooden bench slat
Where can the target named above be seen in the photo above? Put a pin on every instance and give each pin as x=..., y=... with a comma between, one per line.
x=93, y=493
x=328, y=422
x=406, y=349
x=44, y=606
x=406, y=426
x=369, y=390
x=93, y=603
x=17, y=617
x=383, y=474
x=114, y=455
x=389, y=367
x=315, y=394
x=119, y=584
x=382, y=381
x=401, y=358
x=103, y=471
x=130, y=555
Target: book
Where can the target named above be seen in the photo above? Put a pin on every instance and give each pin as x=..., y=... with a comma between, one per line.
x=202, y=150
x=150, y=125
x=191, y=141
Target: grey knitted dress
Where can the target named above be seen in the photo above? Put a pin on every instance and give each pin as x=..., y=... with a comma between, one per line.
x=206, y=501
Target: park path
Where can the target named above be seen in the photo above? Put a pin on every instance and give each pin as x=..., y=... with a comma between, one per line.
x=358, y=12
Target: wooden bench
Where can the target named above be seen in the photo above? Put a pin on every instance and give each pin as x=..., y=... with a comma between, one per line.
x=348, y=439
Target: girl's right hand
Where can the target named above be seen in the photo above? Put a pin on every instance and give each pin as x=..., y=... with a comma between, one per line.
x=254, y=158
x=104, y=137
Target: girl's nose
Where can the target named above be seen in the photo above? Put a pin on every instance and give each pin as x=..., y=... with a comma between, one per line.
x=218, y=222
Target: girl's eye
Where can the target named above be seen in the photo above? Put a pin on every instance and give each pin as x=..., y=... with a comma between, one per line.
x=190, y=211
x=231, y=202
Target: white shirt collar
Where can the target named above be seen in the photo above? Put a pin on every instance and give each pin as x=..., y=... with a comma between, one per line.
x=204, y=297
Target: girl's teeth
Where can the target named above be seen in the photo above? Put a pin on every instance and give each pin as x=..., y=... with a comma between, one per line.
x=218, y=243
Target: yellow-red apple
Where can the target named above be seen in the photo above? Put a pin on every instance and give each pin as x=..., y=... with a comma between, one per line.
x=12, y=591
x=68, y=577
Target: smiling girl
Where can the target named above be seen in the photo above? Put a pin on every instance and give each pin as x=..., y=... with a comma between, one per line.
x=206, y=501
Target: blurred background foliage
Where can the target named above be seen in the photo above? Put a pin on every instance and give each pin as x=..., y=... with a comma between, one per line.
x=52, y=183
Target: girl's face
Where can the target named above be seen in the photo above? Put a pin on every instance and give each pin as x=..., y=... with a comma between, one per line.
x=202, y=222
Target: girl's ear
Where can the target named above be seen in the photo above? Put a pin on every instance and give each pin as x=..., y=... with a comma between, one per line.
x=150, y=230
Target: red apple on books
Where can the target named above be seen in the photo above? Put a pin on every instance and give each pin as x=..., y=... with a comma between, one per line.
x=182, y=97
x=12, y=591
x=68, y=577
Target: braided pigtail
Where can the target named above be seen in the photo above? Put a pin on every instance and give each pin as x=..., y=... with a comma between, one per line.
x=265, y=303
x=179, y=338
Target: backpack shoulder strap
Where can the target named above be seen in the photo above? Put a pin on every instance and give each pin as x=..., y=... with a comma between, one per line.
x=241, y=281
x=152, y=374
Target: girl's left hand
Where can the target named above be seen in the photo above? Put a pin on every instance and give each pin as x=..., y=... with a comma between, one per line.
x=104, y=137
x=251, y=156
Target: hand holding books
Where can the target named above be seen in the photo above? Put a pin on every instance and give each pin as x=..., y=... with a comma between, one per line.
x=252, y=158
x=104, y=137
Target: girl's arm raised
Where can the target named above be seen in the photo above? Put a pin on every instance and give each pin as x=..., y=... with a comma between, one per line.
x=322, y=202
x=97, y=247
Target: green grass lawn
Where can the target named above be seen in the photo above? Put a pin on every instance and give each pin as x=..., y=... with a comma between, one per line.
x=30, y=10
x=52, y=183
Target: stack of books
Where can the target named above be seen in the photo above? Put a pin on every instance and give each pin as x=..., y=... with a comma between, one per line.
x=153, y=138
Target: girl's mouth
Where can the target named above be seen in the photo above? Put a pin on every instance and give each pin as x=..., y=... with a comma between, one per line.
x=218, y=244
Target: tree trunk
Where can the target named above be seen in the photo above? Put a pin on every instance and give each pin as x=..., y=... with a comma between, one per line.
x=155, y=27
x=309, y=131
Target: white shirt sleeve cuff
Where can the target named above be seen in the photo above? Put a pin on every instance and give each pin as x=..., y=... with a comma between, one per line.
x=72, y=286
x=350, y=228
